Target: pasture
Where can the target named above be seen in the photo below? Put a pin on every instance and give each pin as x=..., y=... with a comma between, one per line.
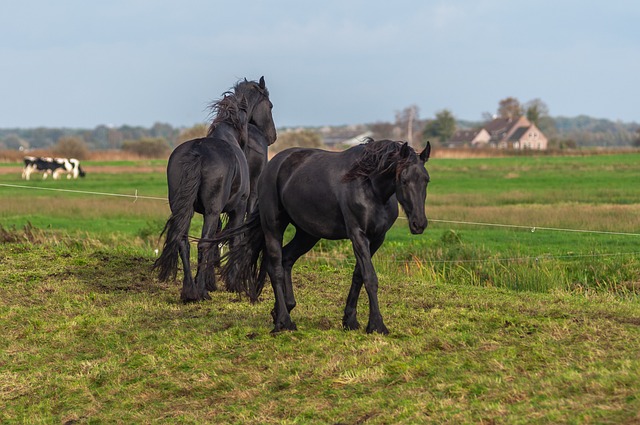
x=532, y=317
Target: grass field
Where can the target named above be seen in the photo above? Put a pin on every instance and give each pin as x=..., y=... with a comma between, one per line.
x=489, y=324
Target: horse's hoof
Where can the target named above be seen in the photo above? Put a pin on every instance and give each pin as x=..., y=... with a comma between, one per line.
x=194, y=299
x=350, y=325
x=380, y=328
x=290, y=326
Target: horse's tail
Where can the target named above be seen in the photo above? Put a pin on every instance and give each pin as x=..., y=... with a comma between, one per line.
x=241, y=272
x=177, y=226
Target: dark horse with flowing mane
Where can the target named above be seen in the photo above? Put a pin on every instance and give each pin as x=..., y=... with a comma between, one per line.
x=347, y=195
x=210, y=176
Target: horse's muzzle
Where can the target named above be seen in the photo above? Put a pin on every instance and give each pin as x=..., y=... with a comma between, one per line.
x=417, y=226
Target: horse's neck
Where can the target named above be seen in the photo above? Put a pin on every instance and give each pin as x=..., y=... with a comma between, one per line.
x=255, y=150
x=384, y=186
x=228, y=132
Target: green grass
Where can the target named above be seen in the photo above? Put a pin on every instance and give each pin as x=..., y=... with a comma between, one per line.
x=90, y=336
x=488, y=324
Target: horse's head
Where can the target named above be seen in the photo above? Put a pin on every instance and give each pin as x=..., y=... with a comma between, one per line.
x=258, y=106
x=411, y=187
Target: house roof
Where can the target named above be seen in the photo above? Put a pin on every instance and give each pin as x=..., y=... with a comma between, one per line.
x=518, y=133
x=499, y=124
x=503, y=128
x=499, y=127
x=465, y=135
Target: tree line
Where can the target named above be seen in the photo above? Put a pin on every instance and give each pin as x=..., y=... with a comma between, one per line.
x=158, y=140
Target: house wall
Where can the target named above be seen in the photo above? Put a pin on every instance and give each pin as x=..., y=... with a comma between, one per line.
x=533, y=139
x=481, y=139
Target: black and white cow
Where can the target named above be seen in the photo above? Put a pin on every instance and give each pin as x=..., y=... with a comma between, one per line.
x=76, y=169
x=52, y=166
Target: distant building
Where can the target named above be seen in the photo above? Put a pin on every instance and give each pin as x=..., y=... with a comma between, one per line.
x=462, y=138
x=503, y=133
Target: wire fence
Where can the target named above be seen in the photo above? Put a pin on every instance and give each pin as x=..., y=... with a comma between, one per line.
x=135, y=196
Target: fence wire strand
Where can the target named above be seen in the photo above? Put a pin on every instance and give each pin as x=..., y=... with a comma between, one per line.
x=532, y=229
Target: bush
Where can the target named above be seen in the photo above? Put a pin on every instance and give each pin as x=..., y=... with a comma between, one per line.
x=71, y=147
x=301, y=138
x=148, y=147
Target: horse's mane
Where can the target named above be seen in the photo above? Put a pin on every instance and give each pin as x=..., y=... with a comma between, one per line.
x=227, y=109
x=231, y=110
x=379, y=157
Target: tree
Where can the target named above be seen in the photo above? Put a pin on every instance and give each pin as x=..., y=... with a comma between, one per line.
x=406, y=118
x=509, y=108
x=535, y=110
x=538, y=113
x=441, y=128
x=164, y=131
x=195, y=132
x=488, y=116
x=636, y=141
x=13, y=141
x=71, y=147
x=383, y=130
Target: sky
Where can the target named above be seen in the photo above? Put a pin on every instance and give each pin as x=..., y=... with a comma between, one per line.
x=80, y=64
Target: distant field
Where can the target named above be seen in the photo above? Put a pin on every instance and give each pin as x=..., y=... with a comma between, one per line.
x=592, y=193
x=519, y=304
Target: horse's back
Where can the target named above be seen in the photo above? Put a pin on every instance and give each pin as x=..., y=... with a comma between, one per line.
x=215, y=165
x=302, y=168
x=308, y=185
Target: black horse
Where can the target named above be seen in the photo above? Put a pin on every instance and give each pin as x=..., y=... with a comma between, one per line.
x=348, y=195
x=256, y=152
x=210, y=176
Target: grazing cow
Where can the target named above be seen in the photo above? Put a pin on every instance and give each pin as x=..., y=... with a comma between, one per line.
x=72, y=168
x=52, y=166
x=29, y=166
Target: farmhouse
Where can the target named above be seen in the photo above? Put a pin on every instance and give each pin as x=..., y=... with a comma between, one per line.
x=503, y=133
x=476, y=137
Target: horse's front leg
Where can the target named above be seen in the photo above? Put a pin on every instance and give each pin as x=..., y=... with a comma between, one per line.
x=363, y=253
x=350, y=319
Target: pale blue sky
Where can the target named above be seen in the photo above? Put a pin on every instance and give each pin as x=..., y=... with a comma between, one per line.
x=78, y=63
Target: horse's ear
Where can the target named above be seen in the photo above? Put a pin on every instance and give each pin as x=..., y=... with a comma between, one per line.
x=262, y=84
x=424, y=155
x=405, y=150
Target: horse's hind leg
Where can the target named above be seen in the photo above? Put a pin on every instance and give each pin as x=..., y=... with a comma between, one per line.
x=216, y=251
x=189, y=291
x=301, y=243
x=205, y=276
x=273, y=257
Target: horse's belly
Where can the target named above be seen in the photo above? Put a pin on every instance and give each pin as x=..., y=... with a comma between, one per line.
x=323, y=220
